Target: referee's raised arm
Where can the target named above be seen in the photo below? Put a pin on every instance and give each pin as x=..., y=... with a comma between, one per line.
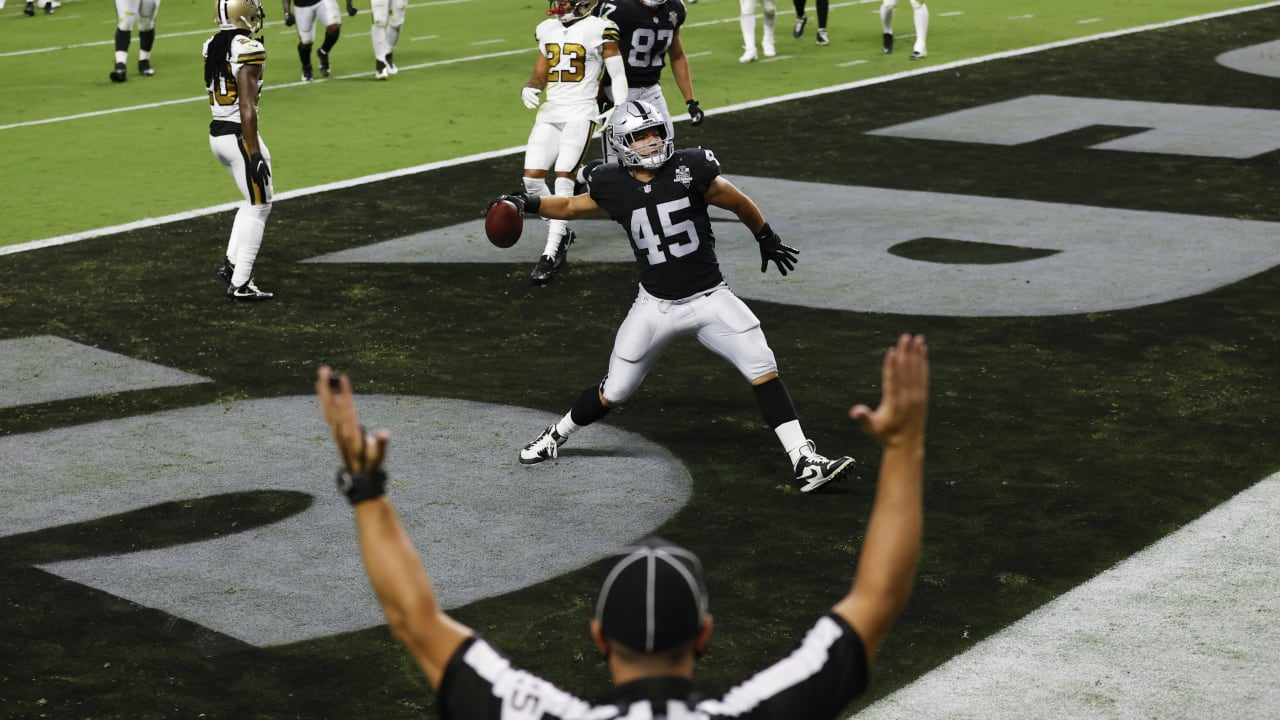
x=396, y=573
x=887, y=565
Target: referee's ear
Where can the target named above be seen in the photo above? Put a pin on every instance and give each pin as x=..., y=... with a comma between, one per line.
x=703, y=639
x=597, y=637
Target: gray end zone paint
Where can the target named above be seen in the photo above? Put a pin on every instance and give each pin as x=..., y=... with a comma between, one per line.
x=484, y=523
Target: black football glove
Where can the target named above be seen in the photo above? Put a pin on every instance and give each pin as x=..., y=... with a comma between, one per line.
x=259, y=169
x=351, y=9
x=289, y=19
x=696, y=116
x=527, y=204
x=771, y=248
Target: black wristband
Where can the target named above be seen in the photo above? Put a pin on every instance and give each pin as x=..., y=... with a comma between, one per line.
x=765, y=233
x=359, y=487
x=532, y=205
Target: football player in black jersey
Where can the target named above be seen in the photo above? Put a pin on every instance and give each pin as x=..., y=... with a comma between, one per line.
x=659, y=195
x=651, y=620
x=649, y=37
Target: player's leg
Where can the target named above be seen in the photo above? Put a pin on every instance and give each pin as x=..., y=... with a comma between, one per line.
x=147, y=11
x=824, y=7
x=540, y=155
x=886, y=23
x=770, y=19
x=381, y=12
x=251, y=217
x=331, y=18
x=572, y=138
x=731, y=330
x=126, y=18
x=306, y=24
x=921, y=14
x=801, y=19
x=394, y=24
x=747, y=21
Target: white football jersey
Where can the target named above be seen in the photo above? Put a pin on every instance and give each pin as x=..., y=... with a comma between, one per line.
x=577, y=62
x=224, y=96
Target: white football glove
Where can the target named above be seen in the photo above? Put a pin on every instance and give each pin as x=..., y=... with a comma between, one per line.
x=530, y=97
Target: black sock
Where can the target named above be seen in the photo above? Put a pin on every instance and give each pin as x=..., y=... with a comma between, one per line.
x=330, y=41
x=122, y=40
x=775, y=403
x=146, y=38
x=589, y=408
x=304, y=54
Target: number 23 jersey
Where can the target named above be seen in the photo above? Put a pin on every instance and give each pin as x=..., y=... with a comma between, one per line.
x=576, y=58
x=666, y=221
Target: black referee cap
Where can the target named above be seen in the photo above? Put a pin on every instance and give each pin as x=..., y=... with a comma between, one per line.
x=654, y=597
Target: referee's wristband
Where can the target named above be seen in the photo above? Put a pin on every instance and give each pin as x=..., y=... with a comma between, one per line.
x=361, y=486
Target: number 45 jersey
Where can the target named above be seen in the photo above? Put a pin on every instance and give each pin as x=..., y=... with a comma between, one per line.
x=666, y=220
x=576, y=58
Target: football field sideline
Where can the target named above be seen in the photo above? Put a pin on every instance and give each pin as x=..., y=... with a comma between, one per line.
x=800, y=95
x=1187, y=628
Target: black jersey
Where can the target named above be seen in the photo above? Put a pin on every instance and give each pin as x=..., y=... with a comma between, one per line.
x=646, y=36
x=666, y=220
x=815, y=682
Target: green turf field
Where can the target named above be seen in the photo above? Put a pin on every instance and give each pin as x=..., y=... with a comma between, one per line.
x=137, y=150
x=1062, y=440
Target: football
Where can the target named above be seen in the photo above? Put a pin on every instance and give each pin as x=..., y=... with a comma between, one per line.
x=503, y=224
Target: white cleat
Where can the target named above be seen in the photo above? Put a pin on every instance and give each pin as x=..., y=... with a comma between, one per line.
x=748, y=56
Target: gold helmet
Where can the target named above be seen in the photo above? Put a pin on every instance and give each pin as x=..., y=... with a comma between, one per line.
x=243, y=14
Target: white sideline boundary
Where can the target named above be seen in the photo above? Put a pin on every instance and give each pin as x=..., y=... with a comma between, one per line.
x=1187, y=628
x=354, y=182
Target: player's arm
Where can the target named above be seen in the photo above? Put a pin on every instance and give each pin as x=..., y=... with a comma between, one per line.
x=725, y=194
x=577, y=207
x=396, y=573
x=680, y=67
x=887, y=565
x=617, y=70
x=537, y=81
x=248, y=84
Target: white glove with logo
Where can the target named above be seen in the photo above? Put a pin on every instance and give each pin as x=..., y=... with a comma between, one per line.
x=530, y=97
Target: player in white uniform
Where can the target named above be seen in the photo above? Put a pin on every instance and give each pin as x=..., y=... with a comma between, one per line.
x=659, y=195
x=920, y=14
x=574, y=48
x=747, y=20
x=233, y=77
x=388, y=18
x=129, y=13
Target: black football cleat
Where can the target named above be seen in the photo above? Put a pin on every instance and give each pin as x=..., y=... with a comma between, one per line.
x=307, y=74
x=888, y=43
x=323, y=55
x=247, y=292
x=29, y=9
x=120, y=73
x=144, y=68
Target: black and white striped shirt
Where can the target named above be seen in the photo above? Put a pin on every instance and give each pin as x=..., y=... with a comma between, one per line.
x=816, y=681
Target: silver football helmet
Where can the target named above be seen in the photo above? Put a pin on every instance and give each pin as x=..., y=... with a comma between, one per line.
x=627, y=122
x=571, y=11
x=653, y=3
x=243, y=14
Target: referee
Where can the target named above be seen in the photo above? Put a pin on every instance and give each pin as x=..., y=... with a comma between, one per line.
x=651, y=621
